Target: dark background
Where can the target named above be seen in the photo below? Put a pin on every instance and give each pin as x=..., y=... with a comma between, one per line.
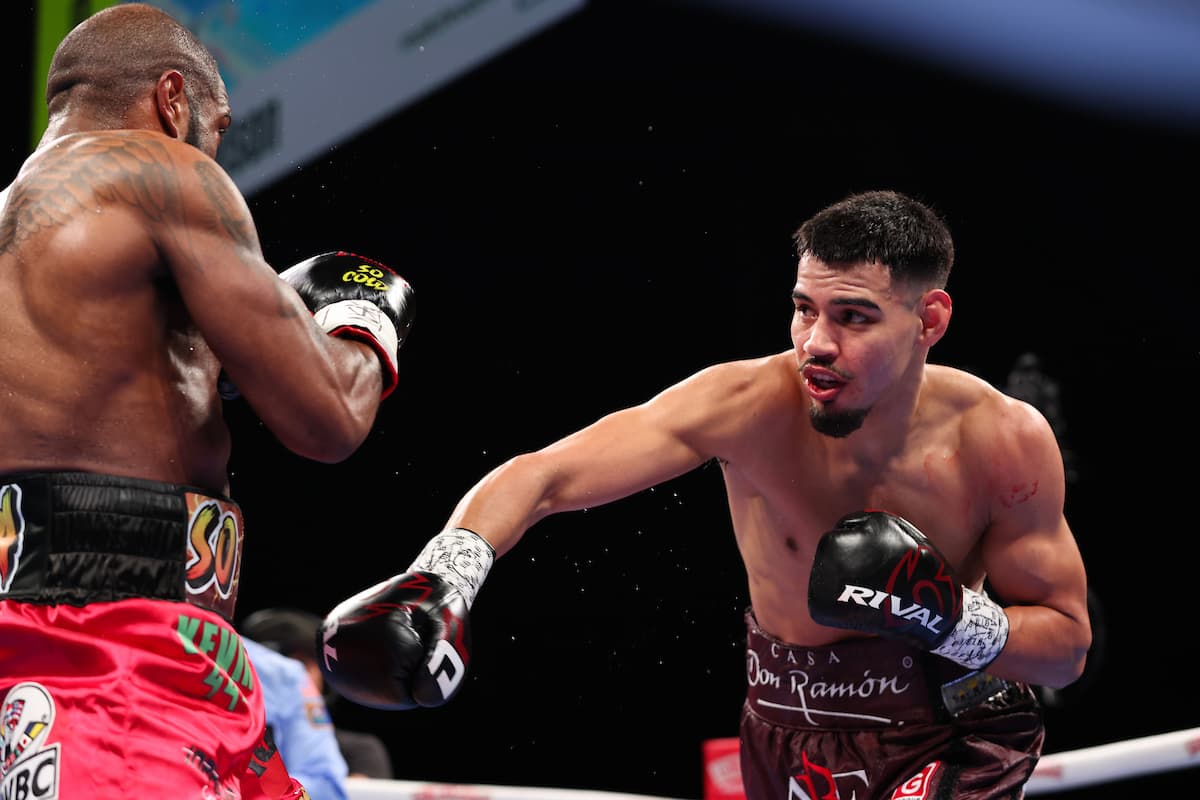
x=607, y=208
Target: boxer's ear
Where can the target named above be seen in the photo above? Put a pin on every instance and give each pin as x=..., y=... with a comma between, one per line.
x=171, y=105
x=934, y=310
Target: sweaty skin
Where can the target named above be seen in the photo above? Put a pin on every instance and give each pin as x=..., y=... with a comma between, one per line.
x=130, y=271
x=978, y=472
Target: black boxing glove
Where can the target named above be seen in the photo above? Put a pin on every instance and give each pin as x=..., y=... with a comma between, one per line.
x=875, y=572
x=405, y=643
x=358, y=298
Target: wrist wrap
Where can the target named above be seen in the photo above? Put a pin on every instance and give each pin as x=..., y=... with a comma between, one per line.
x=979, y=636
x=364, y=315
x=460, y=557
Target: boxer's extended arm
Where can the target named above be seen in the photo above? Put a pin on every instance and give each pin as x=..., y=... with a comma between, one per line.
x=404, y=642
x=1032, y=560
x=616, y=456
x=318, y=394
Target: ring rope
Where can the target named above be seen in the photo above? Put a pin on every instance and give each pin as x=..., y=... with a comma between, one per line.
x=1105, y=763
x=374, y=789
x=1055, y=772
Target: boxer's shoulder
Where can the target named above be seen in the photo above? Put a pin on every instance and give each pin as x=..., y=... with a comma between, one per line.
x=110, y=154
x=761, y=384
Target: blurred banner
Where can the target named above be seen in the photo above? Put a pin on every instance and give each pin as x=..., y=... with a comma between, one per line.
x=1134, y=57
x=53, y=19
x=307, y=74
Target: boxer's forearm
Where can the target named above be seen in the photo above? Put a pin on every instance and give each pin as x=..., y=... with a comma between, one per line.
x=1045, y=647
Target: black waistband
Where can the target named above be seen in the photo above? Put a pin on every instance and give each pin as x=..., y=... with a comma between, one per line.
x=861, y=683
x=80, y=537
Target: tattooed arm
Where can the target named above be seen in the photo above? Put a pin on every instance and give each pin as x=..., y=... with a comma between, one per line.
x=318, y=394
x=130, y=272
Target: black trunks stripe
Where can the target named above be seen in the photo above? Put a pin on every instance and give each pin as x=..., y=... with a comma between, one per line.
x=79, y=537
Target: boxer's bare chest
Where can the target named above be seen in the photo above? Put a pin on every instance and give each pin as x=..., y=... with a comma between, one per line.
x=783, y=499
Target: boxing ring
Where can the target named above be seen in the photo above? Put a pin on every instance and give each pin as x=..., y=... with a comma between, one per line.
x=1056, y=772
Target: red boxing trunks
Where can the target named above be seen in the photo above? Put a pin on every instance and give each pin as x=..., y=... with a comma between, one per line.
x=874, y=719
x=120, y=675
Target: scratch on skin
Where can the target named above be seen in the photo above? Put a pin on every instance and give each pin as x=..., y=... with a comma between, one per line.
x=1019, y=493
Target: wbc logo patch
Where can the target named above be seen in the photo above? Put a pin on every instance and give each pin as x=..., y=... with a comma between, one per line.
x=29, y=769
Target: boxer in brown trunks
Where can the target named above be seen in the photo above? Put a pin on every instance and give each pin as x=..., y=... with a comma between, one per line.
x=845, y=719
x=130, y=276
x=872, y=495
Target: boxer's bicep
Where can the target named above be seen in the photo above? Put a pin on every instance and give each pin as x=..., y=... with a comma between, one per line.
x=255, y=324
x=1033, y=562
x=1029, y=552
x=616, y=456
x=211, y=247
x=318, y=394
x=642, y=446
x=620, y=454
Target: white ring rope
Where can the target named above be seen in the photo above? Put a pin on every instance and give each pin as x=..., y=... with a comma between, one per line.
x=1105, y=763
x=370, y=789
x=1056, y=772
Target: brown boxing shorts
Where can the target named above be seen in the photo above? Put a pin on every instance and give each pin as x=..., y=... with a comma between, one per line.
x=120, y=674
x=874, y=719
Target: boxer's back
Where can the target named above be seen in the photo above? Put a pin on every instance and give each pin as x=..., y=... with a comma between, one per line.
x=103, y=369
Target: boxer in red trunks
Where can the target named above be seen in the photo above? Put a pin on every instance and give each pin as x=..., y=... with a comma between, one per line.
x=851, y=417
x=132, y=285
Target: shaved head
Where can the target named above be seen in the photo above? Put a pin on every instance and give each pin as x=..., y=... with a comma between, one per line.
x=114, y=57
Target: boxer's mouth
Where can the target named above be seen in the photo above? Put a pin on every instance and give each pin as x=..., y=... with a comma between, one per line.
x=821, y=383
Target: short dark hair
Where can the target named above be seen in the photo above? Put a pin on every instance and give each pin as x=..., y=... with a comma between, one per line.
x=884, y=227
x=291, y=631
x=110, y=58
